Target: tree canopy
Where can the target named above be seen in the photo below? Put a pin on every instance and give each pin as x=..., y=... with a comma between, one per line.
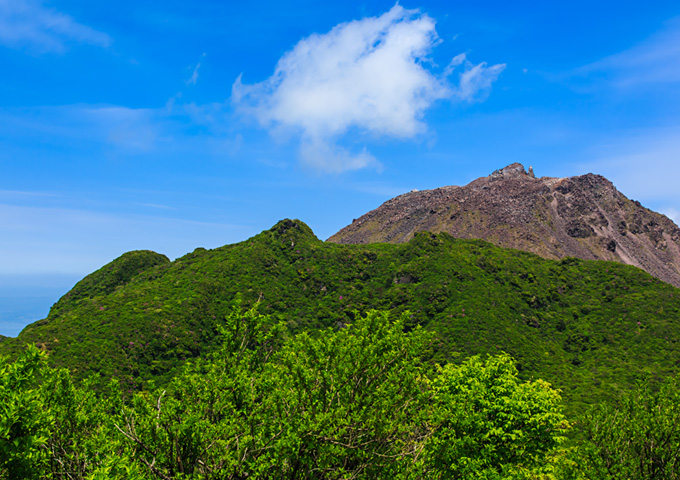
x=355, y=402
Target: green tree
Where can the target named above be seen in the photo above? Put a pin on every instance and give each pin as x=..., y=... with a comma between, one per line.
x=348, y=403
x=208, y=422
x=52, y=429
x=490, y=425
x=82, y=439
x=636, y=438
x=24, y=423
x=341, y=404
x=351, y=402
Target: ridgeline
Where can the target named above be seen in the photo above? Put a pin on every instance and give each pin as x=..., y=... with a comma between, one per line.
x=584, y=217
x=590, y=328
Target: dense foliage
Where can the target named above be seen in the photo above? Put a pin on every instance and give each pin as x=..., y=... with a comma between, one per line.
x=637, y=437
x=356, y=402
x=110, y=277
x=590, y=328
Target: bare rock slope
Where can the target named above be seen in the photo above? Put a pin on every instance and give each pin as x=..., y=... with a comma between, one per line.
x=583, y=216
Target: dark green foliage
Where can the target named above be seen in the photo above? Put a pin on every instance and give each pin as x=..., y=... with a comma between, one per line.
x=344, y=404
x=637, y=437
x=589, y=328
x=352, y=402
x=357, y=402
x=110, y=277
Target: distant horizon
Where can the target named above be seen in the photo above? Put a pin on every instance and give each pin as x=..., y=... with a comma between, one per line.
x=21, y=306
x=168, y=127
x=26, y=298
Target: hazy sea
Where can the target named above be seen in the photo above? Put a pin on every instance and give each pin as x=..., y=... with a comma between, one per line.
x=24, y=304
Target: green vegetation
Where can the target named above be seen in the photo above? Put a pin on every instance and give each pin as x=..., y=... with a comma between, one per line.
x=589, y=328
x=156, y=369
x=110, y=277
x=637, y=437
x=358, y=402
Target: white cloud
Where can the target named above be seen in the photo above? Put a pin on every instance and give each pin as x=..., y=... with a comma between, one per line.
x=378, y=189
x=367, y=75
x=655, y=60
x=27, y=23
x=19, y=194
x=130, y=130
x=126, y=130
x=476, y=80
x=318, y=153
x=119, y=131
x=194, y=76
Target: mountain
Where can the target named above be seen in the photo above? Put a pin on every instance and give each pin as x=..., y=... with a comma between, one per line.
x=584, y=217
x=588, y=327
x=110, y=277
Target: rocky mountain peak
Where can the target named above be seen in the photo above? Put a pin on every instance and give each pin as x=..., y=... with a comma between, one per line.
x=583, y=216
x=511, y=171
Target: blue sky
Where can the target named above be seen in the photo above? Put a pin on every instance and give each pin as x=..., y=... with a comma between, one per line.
x=175, y=125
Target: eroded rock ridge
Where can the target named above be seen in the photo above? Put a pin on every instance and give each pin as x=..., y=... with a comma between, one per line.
x=583, y=216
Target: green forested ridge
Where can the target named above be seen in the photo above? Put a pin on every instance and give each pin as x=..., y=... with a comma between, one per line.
x=110, y=277
x=589, y=328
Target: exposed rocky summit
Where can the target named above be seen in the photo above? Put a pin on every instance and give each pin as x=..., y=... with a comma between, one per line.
x=583, y=216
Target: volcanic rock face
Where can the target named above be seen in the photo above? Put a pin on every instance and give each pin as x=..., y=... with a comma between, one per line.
x=584, y=217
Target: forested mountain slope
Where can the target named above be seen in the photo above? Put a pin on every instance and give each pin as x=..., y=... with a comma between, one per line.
x=588, y=327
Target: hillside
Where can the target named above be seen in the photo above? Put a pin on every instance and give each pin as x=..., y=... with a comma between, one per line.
x=589, y=327
x=584, y=217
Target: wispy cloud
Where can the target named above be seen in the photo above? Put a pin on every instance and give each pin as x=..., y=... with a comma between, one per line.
x=369, y=75
x=194, y=76
x=475, y=81
x=29, y=24
x=119, y=131
x=18, y=193
x=378, y=189
x=655, y=60
x=155, y=205
x=125, y=129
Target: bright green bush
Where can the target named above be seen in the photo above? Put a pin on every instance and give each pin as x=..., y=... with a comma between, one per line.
x=493, y=426
x=357, y=401
x=24, y=423
x=354, y=402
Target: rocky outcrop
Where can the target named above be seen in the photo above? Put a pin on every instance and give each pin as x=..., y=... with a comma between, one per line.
x=583, y=216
